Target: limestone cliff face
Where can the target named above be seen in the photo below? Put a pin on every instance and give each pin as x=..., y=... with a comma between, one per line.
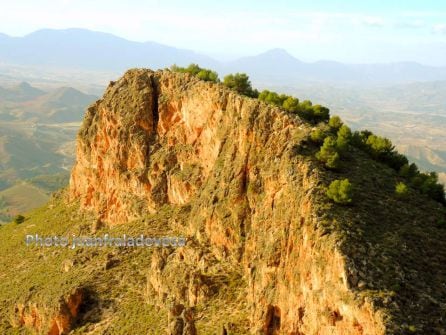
x=159, y=138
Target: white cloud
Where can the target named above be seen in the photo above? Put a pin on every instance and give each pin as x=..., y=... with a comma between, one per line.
x=413, y=24
x=370, y=21
x=423, y=14
x=439, y=28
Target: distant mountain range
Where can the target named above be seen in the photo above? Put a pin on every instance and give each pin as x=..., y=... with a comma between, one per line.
x=89, y=50
x=277, y=65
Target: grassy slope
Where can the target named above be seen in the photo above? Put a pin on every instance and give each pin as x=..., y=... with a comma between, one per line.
x=27, y=195
x=21, y=197
x=115, y=287
x=117, y=300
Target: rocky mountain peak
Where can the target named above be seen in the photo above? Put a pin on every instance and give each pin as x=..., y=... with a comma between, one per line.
x=267, y=251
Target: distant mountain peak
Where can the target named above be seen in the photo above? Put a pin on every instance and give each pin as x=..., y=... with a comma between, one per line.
x=24, y=85
x=278, y=54
x=60, y=31
x=22, y=92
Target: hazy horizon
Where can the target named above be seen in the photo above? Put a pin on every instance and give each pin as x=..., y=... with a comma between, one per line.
x=346, y=32
x=225, y=57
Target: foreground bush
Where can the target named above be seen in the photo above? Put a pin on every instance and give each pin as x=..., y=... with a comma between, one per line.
x=203, y=74
x=318, y=136
x=340, y=191
x=329, y=154
x=343, y=139
x=335, y=122
x=304, y=109
x=401, y=190
x=18, y=219
x=241, y=83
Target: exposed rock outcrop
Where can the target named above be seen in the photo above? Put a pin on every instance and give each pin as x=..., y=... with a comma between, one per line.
x=51, y=322
x=159, y=138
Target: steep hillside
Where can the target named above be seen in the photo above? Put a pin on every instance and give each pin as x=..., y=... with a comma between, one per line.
x=24, y=195
x=166, y=154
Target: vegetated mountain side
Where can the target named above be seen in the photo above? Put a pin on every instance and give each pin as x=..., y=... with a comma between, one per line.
x=164, y=153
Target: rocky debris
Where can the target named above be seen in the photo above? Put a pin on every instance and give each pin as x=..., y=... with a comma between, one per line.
x=181, y=320
x=67, y=264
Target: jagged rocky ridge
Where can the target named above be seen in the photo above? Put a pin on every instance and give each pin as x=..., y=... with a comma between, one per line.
x=162, y=137
x=264, y=242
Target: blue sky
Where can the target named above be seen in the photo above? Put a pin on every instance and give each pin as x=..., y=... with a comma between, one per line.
x=347, y=31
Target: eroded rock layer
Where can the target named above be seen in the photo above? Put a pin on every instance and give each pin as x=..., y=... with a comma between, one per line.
x=159, y=138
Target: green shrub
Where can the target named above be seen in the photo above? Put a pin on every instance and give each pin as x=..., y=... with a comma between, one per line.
x=335, y=122
x=264, y=95
x=412, y=328
x=291, y=104
x=314, y=114
x=344, y=138
x=306, y=104
x=340, y=191
x=359, y=139
x=396, y=161
x=272, y=98
x=379, y=147
x=194, y=69
x=18, y=219
x=409, y=171
x=428, y=184
x=320, y=113
x=333, y=161
x=329, y=154
x=208, y=75
x=401, y=190
x=318, y=136
x=304, y=109
x=240, y=82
